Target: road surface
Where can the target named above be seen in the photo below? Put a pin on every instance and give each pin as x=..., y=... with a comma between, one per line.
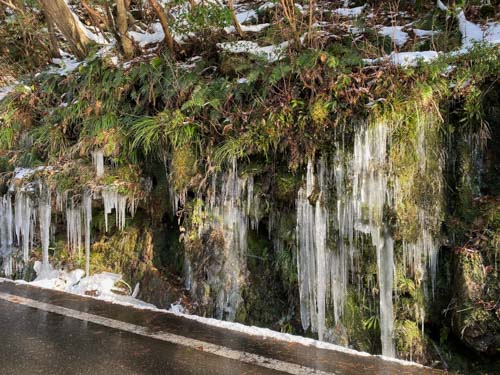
x=49, y=332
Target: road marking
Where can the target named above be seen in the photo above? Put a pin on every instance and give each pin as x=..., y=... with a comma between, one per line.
x=203, y=346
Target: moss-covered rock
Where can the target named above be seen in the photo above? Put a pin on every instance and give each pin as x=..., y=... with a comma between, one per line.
x=474, y=321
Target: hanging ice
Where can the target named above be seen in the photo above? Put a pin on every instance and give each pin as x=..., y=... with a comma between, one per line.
x=87, y=215
x=114, y=200
x=74, y=227
x=6, y=233
x=24, y=218
x=323, y=272
x=228, y=202
x=44, y=207
x=98, y=161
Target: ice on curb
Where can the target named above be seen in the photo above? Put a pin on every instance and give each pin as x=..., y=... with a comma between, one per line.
x=102, y=285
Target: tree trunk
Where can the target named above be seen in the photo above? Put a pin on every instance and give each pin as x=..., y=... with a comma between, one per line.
x=53, y=44
x=236, y=24
x=59, y=14
x=164, y=24
x=122, y=26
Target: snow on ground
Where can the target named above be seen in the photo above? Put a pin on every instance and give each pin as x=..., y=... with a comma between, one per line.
x=410, y=59
x=248, y=28
x=246, y=15
x=6, y=90
x=99, y=39
x=396, y=33
x=265, y=6
x=470, y=31
x=350, y=12
x=271, y=53
x=473, y=33
x=143, y=39
x=22, y=173
x=65, y=64
x=424, y=33
x=406, y=59
x=102, y=286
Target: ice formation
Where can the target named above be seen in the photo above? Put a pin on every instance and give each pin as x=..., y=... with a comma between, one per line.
x=98, y=161
x=87, y=216
x=26, y=213
x=24, y=219
x=341, y=205
x=114, y=200
x=323, y=272
x=229, y=208
x=234, y=223
x=44, y=208
x=74, y=227
x=6, y=233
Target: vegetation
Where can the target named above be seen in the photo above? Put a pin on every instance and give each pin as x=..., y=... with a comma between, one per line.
x=170, y=113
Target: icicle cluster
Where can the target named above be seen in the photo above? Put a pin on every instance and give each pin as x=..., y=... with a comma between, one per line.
x=358, y=182
x=118, y=202
x=33, y=205
x=323, y=272
x=74, y=227
x=230, y=205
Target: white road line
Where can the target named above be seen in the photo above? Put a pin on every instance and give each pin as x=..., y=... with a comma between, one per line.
x=199, y=345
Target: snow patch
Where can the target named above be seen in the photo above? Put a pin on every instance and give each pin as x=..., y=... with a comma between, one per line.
x=143, y=39
x=410, y=59
x=406, y=59
x=248, y=28
x=396, y=33
x=419, y=33
x=246, y=16
x=271, y=53
x=350, y=12
x=66, y=64
x=6, y=90
x=22, y=173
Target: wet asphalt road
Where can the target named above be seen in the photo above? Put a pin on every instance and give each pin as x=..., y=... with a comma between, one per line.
x=33, y=341
x=38, y=342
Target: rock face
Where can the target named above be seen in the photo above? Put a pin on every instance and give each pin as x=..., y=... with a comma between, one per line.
x=475, y=321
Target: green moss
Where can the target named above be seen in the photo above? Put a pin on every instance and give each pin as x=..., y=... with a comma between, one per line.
x=318, y=111
x=184, y=168
x=410, y=343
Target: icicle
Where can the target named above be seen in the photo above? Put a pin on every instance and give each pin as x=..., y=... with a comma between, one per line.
x=87, y=215
x=44, y=207
x=235, y=226
x=227, y=206
x=98, y=161
x=369, y=194
x=6, y=233
x=323, y=272
x=306, y=257
x=385, y=262
x=74, y=227
x=24, y=219
x=114, y=200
